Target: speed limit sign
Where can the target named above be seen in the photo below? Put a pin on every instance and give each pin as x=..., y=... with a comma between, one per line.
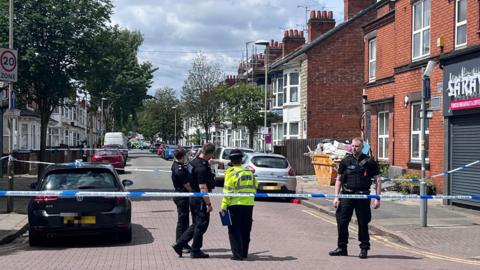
x=8, y=65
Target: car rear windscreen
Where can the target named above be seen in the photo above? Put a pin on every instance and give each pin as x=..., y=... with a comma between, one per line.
x=80, y=179
x=270, y=162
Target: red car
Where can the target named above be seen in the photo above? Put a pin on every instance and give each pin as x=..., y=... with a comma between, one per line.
x=112, y=156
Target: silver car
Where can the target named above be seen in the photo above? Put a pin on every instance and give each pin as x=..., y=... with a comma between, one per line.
x=273, y=172
x=222, y=154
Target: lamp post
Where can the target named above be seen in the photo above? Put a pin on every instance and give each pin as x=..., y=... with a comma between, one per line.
x=175, y=128
x=101, y=120
x=265, y=130
x=425, y=95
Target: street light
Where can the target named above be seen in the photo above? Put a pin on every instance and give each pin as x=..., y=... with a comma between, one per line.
x=425, y=94
x=101, y=120
x=175, y=108
x=266, y=44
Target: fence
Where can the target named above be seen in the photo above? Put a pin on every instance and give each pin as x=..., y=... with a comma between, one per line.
x=54, y=156
x=294, y=151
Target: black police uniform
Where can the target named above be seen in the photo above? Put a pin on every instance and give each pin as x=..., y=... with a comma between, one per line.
x=180, y=177
x=356, y=178
x=200, y=173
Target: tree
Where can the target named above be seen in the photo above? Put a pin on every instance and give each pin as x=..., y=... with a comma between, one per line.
x=242, y=106
x=112, y=71
x=158, y=116
x=200, y=93
x=51, y=37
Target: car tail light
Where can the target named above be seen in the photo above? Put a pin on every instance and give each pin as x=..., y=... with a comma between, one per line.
x=250, y=168
x=291, y=172
x=44, y=199
x=95, y=158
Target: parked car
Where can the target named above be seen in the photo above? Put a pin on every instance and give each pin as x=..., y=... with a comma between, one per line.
x=111, y=155
x=273, y=172
x=193, y=152
x=169, y=151
x=52, y=216
x=117, y=148
x=117, y=139
x=222, y=154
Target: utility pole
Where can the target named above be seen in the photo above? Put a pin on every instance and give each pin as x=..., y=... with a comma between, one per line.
x=10, y=90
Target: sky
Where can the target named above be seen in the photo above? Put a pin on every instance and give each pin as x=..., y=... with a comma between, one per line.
x=175, y=31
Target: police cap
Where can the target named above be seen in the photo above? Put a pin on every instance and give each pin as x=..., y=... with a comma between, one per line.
x=236, y=153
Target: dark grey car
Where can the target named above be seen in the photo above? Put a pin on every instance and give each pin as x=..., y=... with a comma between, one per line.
x=52, y=216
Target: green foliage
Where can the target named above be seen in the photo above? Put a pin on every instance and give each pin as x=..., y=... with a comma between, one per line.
x=200, y=93
x=243, y=104
x=410, y=187
x=158, y=117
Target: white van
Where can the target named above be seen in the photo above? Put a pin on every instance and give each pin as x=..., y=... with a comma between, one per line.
x=118, y=140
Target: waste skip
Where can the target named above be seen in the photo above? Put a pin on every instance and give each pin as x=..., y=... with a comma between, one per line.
x=325, y=169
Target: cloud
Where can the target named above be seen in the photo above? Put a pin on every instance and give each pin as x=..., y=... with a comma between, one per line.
x=175, y=30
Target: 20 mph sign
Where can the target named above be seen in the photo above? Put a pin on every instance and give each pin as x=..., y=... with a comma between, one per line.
x=8, y=65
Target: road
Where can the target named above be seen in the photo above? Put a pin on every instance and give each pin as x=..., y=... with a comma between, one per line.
x=284, y=236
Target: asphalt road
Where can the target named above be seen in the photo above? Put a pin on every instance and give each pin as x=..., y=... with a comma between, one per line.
x=284, y=236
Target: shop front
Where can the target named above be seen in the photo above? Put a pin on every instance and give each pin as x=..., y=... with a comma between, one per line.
x=461, y=109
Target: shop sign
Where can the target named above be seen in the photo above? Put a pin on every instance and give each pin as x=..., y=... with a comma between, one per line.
x=465, y=84
x=465, y=104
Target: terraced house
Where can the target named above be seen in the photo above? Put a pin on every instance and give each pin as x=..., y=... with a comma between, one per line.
x=398, y=44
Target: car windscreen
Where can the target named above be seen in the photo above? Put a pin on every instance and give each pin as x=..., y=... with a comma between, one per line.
x=80, y=179
x=226, y=152
x=270, y=162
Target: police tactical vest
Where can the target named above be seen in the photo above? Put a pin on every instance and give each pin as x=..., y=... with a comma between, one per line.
x=356, y=177
x=239, y=180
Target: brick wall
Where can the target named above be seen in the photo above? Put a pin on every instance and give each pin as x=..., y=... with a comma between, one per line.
x=335, y=75
x=394, y=49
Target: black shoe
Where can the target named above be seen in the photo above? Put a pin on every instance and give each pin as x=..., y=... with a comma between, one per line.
x=178, y=249
x=236, y=258
x=199, y=255
x=338, y=252
x=363, y=254
x=187, y=249
x=245, y=256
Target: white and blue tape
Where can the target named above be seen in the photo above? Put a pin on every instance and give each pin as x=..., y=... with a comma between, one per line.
x=140, y=194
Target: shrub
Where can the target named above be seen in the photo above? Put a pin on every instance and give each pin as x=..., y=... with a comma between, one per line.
x=413, y=187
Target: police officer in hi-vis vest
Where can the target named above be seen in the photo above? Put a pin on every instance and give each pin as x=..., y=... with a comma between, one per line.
x=239, y=180
x=355, y=174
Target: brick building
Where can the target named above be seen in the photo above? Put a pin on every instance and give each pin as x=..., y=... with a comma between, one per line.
x=398, y=44
x=331, y=72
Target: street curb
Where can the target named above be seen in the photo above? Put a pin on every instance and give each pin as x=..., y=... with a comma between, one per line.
x=377, y=229
x=15, y=233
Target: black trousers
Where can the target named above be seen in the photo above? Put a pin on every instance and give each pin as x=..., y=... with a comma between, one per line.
x=344, y=215
x=201, y=219
x=183, y=211
x=239, y=231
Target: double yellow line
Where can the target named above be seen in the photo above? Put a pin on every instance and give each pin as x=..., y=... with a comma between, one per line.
x=391, y=244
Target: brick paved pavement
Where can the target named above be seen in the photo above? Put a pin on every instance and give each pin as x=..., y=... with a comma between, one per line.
x=284, y=236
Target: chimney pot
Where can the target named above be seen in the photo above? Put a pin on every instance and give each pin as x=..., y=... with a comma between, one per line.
x=319, y=14
x=312, y=14
x=330, y=14
x=290, y=32
x=271, y=43
x=276, y=44
x=324, y=14
x=285, y=34
x=300, y=34
x=295, y=32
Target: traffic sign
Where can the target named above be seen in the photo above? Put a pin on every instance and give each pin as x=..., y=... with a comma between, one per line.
x=8, y=65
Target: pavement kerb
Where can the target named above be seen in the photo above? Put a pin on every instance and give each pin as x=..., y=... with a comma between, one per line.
x=377, y=229
x=16, y=232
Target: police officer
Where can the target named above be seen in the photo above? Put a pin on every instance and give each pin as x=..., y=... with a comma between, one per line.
x=239, y=180
x=181, y=183
x=355, y=175
x=201, y=180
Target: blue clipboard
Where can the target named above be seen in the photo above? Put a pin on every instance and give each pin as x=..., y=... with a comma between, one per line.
x=225, y=218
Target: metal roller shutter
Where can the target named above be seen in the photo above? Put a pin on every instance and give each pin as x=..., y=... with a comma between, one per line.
x=465, y=145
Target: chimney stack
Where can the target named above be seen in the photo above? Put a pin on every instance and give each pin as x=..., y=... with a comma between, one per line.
x=292, y=39
x=319, y=23
x=352, y=7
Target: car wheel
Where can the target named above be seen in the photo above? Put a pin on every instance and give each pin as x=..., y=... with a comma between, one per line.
x=35, y=239
x=125, y=236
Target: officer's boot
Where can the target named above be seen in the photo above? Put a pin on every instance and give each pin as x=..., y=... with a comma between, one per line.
x=339, y=252
x=363, y=253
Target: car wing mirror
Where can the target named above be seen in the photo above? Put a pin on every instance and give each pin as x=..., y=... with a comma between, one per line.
x=33, y=185
x=127, y=182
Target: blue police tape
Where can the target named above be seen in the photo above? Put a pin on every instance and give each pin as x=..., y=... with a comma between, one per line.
x=140, y=194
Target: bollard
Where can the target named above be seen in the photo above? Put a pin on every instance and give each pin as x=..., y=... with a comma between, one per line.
x=10, y=172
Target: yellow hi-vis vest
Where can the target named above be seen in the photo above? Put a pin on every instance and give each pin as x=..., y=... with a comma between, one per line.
x=238, y=180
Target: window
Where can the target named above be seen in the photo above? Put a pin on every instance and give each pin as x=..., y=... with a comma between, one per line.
x=285, y=130
x=421, y=29
x=372, y=59
x=279, y=97
x=416, y=128
x=461, y=23
x=24, y=132
x=67, y=138
x=290, y=87
x=293, y=129
x=383, y=135
x=34, y=137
